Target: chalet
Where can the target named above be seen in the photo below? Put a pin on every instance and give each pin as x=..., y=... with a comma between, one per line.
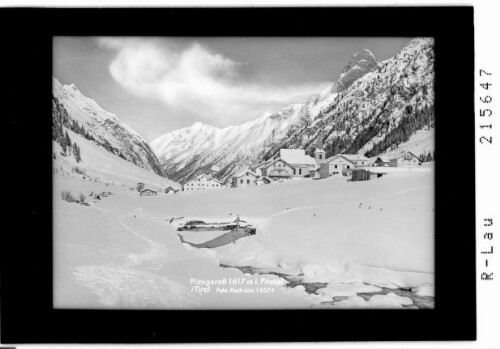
x=335, y=165
x=147, y=192
x=171, y=190
x=244, y=178
x=278, y=169
x=359, y=160
x=342, y=163
x=297, y=159
x=406, y=159
x=202, y=182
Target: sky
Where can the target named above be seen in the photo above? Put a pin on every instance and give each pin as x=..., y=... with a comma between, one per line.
x=158, y=85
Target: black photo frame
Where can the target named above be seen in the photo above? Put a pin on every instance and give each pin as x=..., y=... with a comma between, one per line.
x=27, y=315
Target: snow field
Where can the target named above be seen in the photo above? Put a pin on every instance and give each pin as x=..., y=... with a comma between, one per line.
x=356, y=236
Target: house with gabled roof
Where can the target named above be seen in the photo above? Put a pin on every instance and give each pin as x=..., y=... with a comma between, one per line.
x=244, y=178
x=278, y=169
x=357, y=159
x=298, y=160
x=380, y=161
x=338, y=164
x=147, y=192
x=202, y=182
x=171, y=190
x=405, y=159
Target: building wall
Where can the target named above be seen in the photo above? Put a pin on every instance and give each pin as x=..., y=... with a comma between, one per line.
x=279, y=167
x=244, y=181
x=201, y=184
x=301, y=171
x=339, y=164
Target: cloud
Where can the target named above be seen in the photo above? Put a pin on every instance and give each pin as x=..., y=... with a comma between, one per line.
x=194, y=82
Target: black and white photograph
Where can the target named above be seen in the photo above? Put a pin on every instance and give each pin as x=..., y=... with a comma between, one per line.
x=243, y=173
x=253, y=175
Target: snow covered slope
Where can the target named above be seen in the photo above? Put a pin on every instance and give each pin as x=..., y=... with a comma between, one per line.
x=371, y=107
x=124, y=251
x=105, y=128
x=100, y=166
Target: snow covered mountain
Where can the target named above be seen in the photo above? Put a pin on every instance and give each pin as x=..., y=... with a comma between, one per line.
x=104, y=128
x=371, y=109
x=189, y=151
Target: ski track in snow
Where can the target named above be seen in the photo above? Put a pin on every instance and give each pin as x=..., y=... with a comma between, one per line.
x=349, y=203
x=129, y=285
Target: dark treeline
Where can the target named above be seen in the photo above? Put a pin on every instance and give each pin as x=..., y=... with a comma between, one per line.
x=414, y=121
x=60, y=119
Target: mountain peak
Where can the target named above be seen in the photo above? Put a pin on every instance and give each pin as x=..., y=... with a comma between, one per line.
x=360, y=63
x=364, y=53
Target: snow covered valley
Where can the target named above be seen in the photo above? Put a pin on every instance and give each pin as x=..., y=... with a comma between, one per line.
x=317, y=244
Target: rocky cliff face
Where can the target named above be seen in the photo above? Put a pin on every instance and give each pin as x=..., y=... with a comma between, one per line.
x=373, y=106
x=103, y=127
x=361, y=63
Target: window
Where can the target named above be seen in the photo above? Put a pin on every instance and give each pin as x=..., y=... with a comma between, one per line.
x=279, y=164
x=348, y=166
x=335, y=166
x=241, y=181
x=300, y=171
x=294, y=171
x=321, y=156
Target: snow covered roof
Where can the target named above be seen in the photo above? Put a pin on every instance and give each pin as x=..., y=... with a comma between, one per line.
x=203, y=175
x=266, y=165
x=296, y=157
x=355, y=157
x=147, y=189
x=331, y=158
x=244, y=172
x=404, y=153
x=208, y=177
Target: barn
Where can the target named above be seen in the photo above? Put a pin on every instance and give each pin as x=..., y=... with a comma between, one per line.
x=171, y=190
x=360, y=174
x=148, y=192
